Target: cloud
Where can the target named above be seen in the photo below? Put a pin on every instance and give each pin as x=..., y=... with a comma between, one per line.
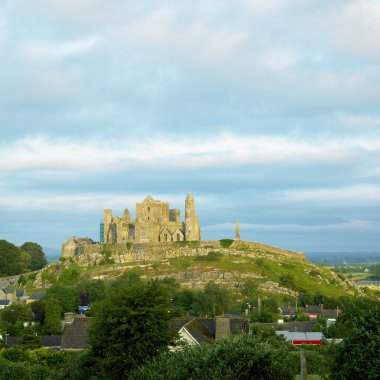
x=225, y=149
x=38, y=50
x=360, y=121
x=346, y=225
x=372, y=173
x=355, y=194
x=86, y=202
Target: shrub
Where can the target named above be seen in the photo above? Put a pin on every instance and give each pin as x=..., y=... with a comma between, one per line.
x=226, y=243
x=211, y=256
x=241, y=357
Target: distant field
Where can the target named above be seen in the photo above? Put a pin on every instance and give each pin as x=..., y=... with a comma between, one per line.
x=333, y=258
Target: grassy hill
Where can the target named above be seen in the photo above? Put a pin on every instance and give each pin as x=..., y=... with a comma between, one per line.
x=193, y=264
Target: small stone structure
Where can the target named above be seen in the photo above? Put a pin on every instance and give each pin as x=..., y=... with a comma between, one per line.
x=75, y=246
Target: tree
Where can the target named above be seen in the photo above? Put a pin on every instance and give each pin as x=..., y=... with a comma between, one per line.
x=68, y=298
x=130, y=327
x=357, y=357
x=287, y=280
x=183, y=301
x=266, y=312
x=38, y=309
x=52, y=323
x=29, y=339
x=12, y=318
x=91, y=291
x=214, y=300
x=37, y=256
x=10, y=259
x=241, y=357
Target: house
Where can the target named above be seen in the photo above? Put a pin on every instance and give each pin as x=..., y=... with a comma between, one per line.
x=301, y=338
x=19, y=294
x=35, y=297
x=4, y=303
x=289, y=312
x=295, y=326
x=206, y=330
x=52, y=342
x=8, y=294
x=331, y=313
x=313, y=311
x=75, y=333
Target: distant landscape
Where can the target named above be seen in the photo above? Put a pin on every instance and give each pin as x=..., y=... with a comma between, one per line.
x=332, y=258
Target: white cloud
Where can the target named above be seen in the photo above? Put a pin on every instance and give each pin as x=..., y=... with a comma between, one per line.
x=346, y=225
x=38, y=50
x=359, y=194
x=43, y=153
x=350, y=28
x=360, y=121
x=372, y=173
x=87, y=202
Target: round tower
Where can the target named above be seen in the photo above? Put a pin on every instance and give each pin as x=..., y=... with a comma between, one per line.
x=192, y=228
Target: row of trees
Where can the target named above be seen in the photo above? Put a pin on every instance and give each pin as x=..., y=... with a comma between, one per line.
x=15, y=260
x=131, y=333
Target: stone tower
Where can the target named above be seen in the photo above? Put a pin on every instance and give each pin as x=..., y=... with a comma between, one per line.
x=107, y=225
x=192, y=228
x=237, y=231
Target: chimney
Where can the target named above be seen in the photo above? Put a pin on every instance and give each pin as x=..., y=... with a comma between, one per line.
x=69, y=317
x=222, y=328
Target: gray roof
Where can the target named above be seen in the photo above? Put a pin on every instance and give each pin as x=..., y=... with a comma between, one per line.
x=296, y=326
x=331, y=313
x=313, y=309
x=301, y=335
x=75, y=334
x=37, y=296
x=289, y=311
x=51, y=340
x=7, y=291
x=4, y=302
x=198, y=332
x=46, y=340
x=204, y=328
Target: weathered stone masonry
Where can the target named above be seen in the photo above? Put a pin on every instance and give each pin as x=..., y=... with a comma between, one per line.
x=155, y=222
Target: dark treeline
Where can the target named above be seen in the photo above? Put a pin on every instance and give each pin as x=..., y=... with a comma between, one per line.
x=130, y=336
x=15, y=260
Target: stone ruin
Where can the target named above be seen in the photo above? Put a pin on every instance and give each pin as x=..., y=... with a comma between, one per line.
x=154, y=222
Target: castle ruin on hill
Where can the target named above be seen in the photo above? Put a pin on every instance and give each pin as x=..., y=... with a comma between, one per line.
x=154, y=222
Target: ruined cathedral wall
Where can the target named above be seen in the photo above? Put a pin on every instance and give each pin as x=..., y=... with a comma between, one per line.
x=149, y=252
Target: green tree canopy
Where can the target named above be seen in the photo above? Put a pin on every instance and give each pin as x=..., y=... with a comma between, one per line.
x=52, y=322
x=241, y=357
x=67, y=298
x=10, y=259
x=213, y=300
x=91, y=291
x=358, y=356
x=12, y=318
x=37, y=256
x=131, y=326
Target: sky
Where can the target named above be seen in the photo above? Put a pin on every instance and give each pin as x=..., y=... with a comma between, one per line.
x=266, y=110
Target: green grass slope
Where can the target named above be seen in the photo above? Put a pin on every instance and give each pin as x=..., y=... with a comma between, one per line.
x=226, y=262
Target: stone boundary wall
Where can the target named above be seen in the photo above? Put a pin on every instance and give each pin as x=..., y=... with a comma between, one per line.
x=122, y=253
